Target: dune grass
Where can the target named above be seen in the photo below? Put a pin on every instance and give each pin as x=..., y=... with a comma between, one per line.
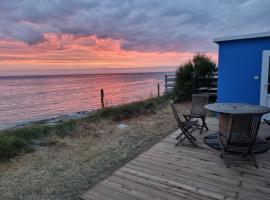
x=129, y=110
x=21, y=140
x=15, y=141
x=66, y=166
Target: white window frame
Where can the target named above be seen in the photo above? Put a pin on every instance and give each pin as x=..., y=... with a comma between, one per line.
x=264, y=77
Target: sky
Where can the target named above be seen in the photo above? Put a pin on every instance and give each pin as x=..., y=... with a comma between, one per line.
x=69, y=36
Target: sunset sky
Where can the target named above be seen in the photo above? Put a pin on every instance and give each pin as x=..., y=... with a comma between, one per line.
x=60, y=36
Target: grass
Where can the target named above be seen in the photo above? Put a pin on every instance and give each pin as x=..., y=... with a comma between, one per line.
x=129, y=110
x=15, y=141
x=20, y=140
x=64, y=167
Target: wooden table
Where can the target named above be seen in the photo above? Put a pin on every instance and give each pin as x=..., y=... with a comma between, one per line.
x=237, y=108
x=238, y=128
x=226, y=112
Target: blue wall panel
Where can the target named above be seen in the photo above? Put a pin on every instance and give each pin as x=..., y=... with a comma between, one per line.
x=239, y=61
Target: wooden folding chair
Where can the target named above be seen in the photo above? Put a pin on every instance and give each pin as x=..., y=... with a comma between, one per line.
x=197, y=110
x=240, y=138
x=186, y=128
x=267, y=121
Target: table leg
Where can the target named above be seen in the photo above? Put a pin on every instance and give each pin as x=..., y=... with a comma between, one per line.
x=224, y=123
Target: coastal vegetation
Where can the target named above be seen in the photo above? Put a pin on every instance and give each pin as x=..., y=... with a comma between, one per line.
x=193, y=75
x=25, y=139
x=69, y=158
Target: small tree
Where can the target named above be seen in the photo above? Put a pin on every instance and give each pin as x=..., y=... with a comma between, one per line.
x=192, y=75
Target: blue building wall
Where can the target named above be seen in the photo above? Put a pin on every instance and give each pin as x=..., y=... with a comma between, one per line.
x=239, y=61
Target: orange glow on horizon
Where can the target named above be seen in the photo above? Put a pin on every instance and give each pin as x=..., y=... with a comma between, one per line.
x=67, y=51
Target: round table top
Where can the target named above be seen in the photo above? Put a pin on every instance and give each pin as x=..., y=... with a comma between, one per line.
x=237, y=108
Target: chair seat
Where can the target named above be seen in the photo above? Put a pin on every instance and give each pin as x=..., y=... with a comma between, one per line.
x=194, y=115
x=202, y=117
x=190, y=124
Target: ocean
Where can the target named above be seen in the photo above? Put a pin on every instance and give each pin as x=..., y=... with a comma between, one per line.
x=25, y=99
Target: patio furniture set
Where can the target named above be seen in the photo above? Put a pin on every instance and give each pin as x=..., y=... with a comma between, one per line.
x=238, y=127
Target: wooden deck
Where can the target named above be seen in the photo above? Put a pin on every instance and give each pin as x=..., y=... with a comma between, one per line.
x=186, y=172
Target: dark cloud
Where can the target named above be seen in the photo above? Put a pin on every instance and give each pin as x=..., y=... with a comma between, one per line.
x=152, y=25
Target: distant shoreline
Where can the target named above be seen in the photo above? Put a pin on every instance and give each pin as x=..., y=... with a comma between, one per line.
x=80, y=74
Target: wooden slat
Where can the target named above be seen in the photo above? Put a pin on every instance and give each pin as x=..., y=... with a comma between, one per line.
x=170, y=79
x=166, y=172
x=170, y=85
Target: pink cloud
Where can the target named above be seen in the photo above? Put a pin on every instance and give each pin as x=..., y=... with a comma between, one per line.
x=66, y=51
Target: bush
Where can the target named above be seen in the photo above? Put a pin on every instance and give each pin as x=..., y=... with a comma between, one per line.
x=192, y=75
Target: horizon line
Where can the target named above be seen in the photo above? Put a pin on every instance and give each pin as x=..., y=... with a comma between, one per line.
x=10, y=73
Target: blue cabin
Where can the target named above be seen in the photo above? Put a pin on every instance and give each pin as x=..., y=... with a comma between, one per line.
x=243, y=69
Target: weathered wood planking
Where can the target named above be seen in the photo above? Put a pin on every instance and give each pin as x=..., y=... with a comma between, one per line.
x=166, y=172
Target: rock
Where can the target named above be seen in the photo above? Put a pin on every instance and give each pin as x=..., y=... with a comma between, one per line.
x=122, y=126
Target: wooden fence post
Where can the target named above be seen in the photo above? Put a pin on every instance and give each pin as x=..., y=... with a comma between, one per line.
x=158, y=90
x=102, y=98
x=165, y=82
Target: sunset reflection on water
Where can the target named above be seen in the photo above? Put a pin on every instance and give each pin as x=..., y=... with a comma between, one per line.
x=27, y=99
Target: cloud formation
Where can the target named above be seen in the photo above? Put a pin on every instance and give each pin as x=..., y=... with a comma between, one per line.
x=152, y=25
x=67, y=51
x=88, y=34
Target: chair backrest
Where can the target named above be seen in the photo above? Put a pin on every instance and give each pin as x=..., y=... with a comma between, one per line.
x=176, y=116
x=244, y=130
x=198, y=103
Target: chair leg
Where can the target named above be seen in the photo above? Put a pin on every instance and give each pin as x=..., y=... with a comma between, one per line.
x=177, y=138
x=254, y=160
x=223, y=153
x=180, y=141
x=189, y=134
x=194, y=139
x=201, y=129
x=204, y=124
x=190, y=138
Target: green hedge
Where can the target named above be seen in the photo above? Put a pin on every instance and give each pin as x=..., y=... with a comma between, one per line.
x=192, y=75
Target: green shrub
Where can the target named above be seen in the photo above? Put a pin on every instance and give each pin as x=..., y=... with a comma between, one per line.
x=192, y=75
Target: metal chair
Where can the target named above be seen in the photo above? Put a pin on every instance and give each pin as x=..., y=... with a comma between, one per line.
x=240, y=138
x=197, y=110
x=186, y=127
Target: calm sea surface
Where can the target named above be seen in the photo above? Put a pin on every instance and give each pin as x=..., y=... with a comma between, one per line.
x=26, y=99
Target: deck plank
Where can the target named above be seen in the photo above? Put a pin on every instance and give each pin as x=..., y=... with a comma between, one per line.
x=166, y=172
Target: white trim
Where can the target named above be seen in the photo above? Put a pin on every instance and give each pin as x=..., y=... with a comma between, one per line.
x=241, y=37
x=264, y=77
